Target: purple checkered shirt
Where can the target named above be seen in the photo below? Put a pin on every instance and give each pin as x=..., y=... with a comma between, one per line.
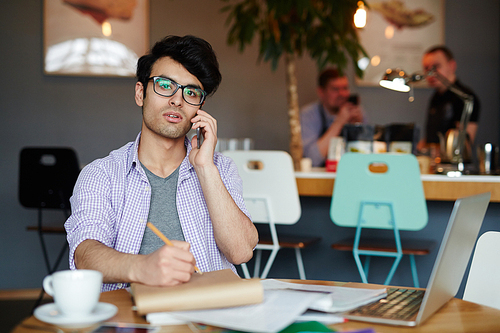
x=111, y=198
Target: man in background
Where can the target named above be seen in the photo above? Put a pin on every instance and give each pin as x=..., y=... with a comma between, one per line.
x=445, y=108
x=325, y=118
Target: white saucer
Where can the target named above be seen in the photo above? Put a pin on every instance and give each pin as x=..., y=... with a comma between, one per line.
x=50, y=314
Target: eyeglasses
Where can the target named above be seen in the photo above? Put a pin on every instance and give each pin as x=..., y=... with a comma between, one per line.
x=167, y=87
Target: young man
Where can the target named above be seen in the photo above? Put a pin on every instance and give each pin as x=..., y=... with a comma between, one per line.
x=445, y=109
x=325, y=118
x=193, y=195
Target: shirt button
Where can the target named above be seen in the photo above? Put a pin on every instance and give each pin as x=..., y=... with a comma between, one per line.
x=119, y=285
x=146, y=188
x=141, y=221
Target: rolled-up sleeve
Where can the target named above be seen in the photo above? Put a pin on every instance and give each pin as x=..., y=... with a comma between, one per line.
x=91, y=211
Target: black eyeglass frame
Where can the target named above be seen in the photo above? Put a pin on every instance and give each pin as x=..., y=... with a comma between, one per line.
x=179, y=86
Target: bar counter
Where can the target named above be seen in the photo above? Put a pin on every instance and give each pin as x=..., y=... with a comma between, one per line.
x=319, y=183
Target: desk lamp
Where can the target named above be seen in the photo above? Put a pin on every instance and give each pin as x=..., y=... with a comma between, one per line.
x=397, y=79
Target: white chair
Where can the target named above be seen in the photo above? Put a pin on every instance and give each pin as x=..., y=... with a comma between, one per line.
x=483, y=283
x=271, y=196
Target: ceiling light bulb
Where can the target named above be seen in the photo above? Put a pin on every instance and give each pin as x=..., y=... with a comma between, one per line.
x=360, y=16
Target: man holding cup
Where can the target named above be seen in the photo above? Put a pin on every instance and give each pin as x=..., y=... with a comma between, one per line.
x=192, y=194
x=324, y=119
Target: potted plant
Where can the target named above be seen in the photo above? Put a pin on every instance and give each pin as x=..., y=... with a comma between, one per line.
x=288, y=28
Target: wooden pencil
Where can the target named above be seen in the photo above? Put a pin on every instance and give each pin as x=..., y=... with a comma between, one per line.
x=165, y=240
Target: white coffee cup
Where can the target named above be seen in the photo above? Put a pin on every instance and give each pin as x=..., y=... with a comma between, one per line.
x=75, y=292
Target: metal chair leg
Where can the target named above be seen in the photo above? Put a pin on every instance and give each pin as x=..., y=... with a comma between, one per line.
x=300, y=264
x=50, y=269
x=244, y=268
x=256, y=268
x=414, y=274
x=366, y=266
x=393, y=269
x=269, y=263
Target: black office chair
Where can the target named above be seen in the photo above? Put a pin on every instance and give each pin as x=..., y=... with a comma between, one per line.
x=46, y=180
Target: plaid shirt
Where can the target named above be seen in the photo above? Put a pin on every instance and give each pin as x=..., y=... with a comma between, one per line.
x=111, y=198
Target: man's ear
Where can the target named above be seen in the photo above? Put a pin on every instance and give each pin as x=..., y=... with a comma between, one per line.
x=321, y=93
x=453, y=65
x=139, y=94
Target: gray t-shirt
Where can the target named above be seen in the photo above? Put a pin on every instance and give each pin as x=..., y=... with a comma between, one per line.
x=162, y=211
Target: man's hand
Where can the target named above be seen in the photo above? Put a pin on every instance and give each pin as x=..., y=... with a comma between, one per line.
x=167, y=266
x=355, y=113
x=348, y=114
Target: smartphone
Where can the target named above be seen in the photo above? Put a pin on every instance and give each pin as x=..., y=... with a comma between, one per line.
x=126, y=328
x=198, y=136
x=354, y=99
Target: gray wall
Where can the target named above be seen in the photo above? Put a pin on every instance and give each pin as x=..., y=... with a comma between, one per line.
x=96, y=115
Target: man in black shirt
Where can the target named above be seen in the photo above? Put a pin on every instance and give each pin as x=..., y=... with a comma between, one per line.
x=445, y=109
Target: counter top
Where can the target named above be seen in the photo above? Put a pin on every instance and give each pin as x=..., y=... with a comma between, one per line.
x=319, y=182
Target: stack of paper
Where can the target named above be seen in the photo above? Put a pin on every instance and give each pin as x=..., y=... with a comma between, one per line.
x=283, y=304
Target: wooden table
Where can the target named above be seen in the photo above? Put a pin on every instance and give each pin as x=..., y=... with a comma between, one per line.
x=320, y=183
x=456, y=316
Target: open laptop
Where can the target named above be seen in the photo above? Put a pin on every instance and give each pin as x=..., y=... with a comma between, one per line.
x=447, y=274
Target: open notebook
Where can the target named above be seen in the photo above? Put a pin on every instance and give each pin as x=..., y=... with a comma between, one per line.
x=447, y=274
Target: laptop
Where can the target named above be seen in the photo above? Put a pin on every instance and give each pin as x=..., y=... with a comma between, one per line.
x=446, y=276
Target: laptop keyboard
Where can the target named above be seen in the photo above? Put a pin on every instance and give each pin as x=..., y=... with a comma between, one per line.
x=399, y=304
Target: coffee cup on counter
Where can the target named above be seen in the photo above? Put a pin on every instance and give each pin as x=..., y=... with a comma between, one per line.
x=75, y=292
x=336, y=149
x=488, y=159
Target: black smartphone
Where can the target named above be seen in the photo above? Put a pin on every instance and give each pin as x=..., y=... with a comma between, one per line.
x=354, y=99
x=198, y=136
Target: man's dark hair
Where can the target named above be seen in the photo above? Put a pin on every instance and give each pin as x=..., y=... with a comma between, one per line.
x=446, y=51
x=327, y=75
x=194, y=53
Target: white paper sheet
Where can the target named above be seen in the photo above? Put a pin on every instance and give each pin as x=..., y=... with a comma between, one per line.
x=279, y=309
x=335, y=299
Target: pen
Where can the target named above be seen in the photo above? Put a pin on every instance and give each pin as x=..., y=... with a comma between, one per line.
x=166, y=240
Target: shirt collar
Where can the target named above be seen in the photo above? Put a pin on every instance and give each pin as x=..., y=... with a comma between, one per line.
x=133, y=160
x=186, y=167
x=184, y=170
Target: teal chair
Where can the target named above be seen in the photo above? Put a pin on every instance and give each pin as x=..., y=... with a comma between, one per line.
x=380, y=191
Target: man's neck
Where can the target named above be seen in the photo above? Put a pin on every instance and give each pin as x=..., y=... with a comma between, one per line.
x=444, y=88
x=161, y=155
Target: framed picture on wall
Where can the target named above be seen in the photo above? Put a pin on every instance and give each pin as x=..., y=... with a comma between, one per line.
x=94, y=37
x=396, y=35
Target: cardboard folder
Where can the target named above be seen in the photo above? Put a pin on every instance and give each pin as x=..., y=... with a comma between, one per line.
x=217, y=289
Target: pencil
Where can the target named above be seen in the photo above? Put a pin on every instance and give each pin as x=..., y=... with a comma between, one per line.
x=165, y=240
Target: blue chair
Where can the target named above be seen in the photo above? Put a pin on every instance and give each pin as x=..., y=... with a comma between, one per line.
x=380, y=191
